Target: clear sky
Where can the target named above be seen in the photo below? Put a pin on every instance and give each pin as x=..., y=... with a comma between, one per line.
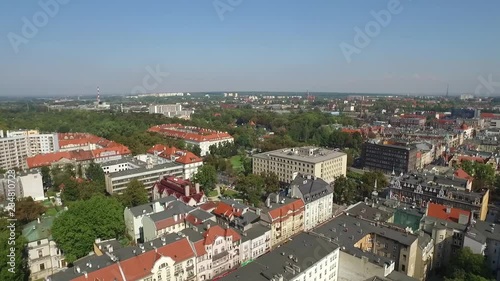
x=256, y=45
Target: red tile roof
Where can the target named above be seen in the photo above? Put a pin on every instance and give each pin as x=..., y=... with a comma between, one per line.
x=471, y=158
x=180, y=156
x=462, y=174
x=439, y=211
x=47, y=159
x=284, y=211
x=111, y=272
x=190, y=133
x=216, y=231
x=174, y=186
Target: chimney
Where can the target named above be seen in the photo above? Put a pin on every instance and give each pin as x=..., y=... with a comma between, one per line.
x=268, y=202
x=186, y=190
x=294, y=175
x=448, y=209
x=277, y=198
x=197, y=187
x=38, y=220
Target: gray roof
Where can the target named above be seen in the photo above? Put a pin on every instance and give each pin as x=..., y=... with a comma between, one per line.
x=256, y=230
x=234, y=203
x=148, y=207
x=311, y=188
x=308, y=154
x=423, y=239
x=347, y=230
x=202, y=215
x=442, y=224
x=481, y=231
x=174, y=208
x=144, y=169
x=367, y=212
x=304, y=247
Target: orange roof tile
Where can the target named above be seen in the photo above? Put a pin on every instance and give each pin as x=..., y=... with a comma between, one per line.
x=285, y=210
x=460, y=173
x=439, y=211
x=47, y=159
x=190, y=133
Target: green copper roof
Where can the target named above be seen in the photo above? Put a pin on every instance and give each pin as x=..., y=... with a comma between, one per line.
x=35, y=231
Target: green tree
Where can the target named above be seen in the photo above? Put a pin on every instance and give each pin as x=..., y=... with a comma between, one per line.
x=483, y=174
x=344, y=190
x=95, y=173
x=46, y=178
x=76, y=229
x=252, y=188
x=271, y=182
x=466, y=265
x=28, y=210
x=70, y=170
x=79, y=170
x=14, y=263
x=206, y=177
x=135, y=194
x=368, y=182
x=70, y=191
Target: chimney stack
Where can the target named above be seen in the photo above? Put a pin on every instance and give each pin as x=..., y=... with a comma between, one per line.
x=197, y=187
x=186, y=190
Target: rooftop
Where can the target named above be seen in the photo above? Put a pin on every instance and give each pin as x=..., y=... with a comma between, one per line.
x=448, y=213
x=144, y=169
x=311, y=188
x=303, y=251
x=308, y=154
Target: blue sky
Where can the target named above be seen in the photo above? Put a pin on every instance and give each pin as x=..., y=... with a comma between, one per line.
x=264, y=45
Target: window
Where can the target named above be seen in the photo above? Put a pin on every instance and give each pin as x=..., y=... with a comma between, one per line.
x=403, y=267
x=42, y=266
x=40, y=253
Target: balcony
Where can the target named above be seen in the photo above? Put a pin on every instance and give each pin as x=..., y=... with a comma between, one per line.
x=219, y=256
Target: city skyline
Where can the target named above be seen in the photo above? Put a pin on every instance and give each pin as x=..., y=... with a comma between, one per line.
x=411, y=47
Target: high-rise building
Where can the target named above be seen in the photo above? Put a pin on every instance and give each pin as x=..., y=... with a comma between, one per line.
x=388, y=158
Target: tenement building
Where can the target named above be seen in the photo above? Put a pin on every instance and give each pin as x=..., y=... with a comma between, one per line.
x=420, y=189
x=286, y=163
x=317, y=196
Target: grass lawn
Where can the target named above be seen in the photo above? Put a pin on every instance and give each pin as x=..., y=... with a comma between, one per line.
x=212, y=193
x=236, y=162
x=51, y=212
x=231, y=193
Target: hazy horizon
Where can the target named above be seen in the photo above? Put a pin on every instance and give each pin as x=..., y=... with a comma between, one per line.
x=126, y=47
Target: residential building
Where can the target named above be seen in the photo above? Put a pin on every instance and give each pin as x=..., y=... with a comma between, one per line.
x=167, y=258
x=17, y=146
x=146, y=173
x=306, y=257
x=27, y=184
x=447, y=235
x=285, y=217
x=420, y=189
x=317, y=196
x=164, y=154
x=389, y=158
x=44, y=258
x=170, y=220
x=182, y=189
x=170, y=110
x=217, y=249
x=13, y=152
x=378, y=242
x=286, y=163
x=484, y=238
x=133, y=216
x=255, y=242
x=204, y=138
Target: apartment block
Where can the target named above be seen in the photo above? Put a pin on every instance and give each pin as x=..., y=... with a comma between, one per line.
x=27, y=184
x=314, y=161
x=13, y=152
x=379, y=243
x=146, y=173
x=317, y=196
x=285, y=217
x=306, y=257
x=389, y=158
x=170, y=110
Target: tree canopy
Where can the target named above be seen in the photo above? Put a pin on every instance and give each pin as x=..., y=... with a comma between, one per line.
x=344, y=190
x=206, y=177
x=75, y=230
x=483, y=174
x=17, y=270
x=135, y=194
x=466, y=266
x=28, y=210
